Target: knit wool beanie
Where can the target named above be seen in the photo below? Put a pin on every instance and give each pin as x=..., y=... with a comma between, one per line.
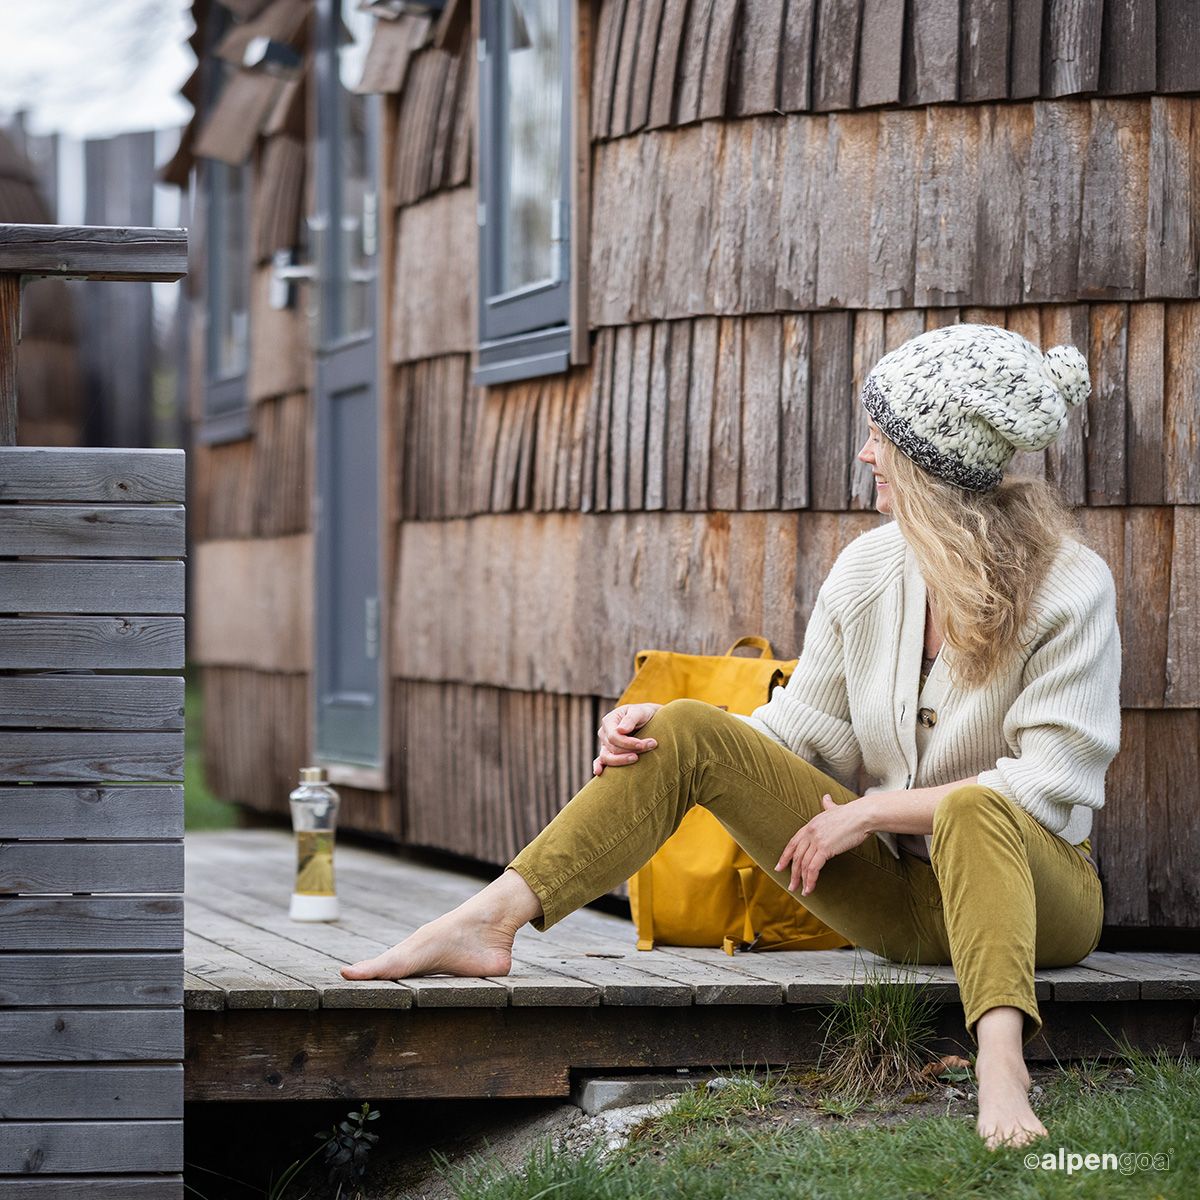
x=962, y=399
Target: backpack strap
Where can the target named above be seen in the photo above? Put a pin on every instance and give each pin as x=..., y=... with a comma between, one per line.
x=644, y=916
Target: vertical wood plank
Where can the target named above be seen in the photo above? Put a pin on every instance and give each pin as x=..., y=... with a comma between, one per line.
x=1005, y=137
x=847, y=201
x=1072, y=49
x=701, y=383
x=869, y=348
x=1106, y=406
x=931, y=38
x=641, y=87
x=1182, y=404
x=832, y=366
x=666, y=63
x=1183, y=611
x=1175, y=835
x=1066, y=459
x=1120, y=837
x=679, y=362
x=947, y=206
x=1128, y=50
x=727, y=416
x=626, y=66
x=619, y=439
x=1112, y=243
x=718, y=59
x=836, y=53
x=639, y=412
x=800, y=209
x=756, y=61
x=1025, y=49
x=795, y=83
x=1149, y=538
x=983, y=56
x=691, y=61
x=794, y=386
x=760, y=435
x=880, y=53
x=1144, y=392
x=1054, y=189
x=1178, y=46
x=658, y=411
x=892, y=248
x=1173, y=205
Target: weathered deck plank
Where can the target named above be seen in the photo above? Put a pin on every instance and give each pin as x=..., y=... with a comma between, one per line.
x=265, y=1018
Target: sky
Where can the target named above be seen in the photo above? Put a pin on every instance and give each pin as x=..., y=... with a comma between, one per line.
x=92, y=68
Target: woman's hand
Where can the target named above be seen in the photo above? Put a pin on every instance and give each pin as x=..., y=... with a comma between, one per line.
x=839, y=828
x=617, y=748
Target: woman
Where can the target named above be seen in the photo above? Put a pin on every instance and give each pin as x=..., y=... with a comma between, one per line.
x=991, y=751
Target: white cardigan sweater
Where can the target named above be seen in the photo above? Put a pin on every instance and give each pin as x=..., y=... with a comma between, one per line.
x=1042, y=733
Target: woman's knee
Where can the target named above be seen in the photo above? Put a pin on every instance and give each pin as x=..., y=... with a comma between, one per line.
x=966, y=804
x=680, y=720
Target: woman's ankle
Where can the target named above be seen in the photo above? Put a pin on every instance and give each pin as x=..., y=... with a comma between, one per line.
x=508, y=901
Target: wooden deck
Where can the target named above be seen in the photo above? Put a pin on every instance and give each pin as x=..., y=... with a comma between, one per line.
x=269, y=1017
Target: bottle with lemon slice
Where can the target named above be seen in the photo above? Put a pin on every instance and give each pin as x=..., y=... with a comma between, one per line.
x=314, y=818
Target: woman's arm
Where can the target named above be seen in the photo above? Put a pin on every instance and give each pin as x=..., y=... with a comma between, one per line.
x=908, y=811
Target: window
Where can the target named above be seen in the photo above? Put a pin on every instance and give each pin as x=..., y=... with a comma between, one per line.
x=524, y=214
x=227, y=266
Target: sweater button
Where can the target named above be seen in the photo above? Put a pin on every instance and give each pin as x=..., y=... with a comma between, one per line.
x=927, y=717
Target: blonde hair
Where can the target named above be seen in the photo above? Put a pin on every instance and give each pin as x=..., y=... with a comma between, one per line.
x=983, y=556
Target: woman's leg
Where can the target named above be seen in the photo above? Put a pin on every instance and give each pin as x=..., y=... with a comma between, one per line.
x=1014, y=896
x=760, y=792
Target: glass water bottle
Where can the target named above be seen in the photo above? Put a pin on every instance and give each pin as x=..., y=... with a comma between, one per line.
x=314, y=818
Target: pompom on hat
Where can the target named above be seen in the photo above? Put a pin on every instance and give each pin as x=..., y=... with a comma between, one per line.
x=961, y=400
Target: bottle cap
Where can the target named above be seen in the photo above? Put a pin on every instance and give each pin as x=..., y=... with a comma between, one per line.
x=314, y=775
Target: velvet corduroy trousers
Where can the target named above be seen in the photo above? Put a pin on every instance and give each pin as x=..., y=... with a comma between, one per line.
x=1001, y=896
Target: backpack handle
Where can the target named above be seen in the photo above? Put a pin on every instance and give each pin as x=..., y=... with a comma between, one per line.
x=752, y=639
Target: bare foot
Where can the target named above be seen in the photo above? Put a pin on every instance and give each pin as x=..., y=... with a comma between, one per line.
x=1005, y=1115
x=476, y=938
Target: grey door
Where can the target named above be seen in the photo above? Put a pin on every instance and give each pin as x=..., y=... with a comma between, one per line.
x=349, y=665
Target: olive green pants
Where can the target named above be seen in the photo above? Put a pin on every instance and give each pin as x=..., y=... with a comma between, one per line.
x=1001, y=896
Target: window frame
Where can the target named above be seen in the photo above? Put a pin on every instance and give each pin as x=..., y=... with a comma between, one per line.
x=226, y=414
x=526, y=332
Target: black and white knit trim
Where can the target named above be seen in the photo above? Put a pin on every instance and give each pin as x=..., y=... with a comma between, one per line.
x=922, y=452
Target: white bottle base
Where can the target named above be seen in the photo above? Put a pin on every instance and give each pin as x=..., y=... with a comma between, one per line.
x=313, y=908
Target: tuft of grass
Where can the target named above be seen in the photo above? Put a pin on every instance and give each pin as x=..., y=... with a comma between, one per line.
x=876, y=1038
x=739, y=1094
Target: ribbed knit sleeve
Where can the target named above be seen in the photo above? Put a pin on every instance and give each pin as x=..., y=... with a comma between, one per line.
x=1066, y=720
x=811, y=715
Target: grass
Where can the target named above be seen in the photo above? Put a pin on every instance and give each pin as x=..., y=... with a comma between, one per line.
x=878, y=1034
x=201, y=809
x=715, y=1149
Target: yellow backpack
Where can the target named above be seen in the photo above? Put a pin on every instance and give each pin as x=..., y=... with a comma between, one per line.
x=701, y=888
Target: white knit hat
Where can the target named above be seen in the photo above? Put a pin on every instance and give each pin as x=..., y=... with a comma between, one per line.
x=962, y=399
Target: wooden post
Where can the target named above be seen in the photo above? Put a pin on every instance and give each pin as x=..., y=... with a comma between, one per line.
x=10, y=321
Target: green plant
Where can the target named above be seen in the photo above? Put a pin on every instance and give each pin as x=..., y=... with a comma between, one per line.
x=877, y=1036
x=737, y=1094
x=348, y=1147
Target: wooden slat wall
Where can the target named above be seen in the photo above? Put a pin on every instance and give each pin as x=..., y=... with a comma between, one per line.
x=981, y=204
x=709, y=59
x=893, y=167
x=91, y=823
x=610, y=437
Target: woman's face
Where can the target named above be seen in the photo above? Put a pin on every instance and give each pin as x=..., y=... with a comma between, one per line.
x=870, y=454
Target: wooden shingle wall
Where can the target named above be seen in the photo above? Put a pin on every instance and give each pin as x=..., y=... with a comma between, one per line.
x=781, y=192
x=91, y=823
